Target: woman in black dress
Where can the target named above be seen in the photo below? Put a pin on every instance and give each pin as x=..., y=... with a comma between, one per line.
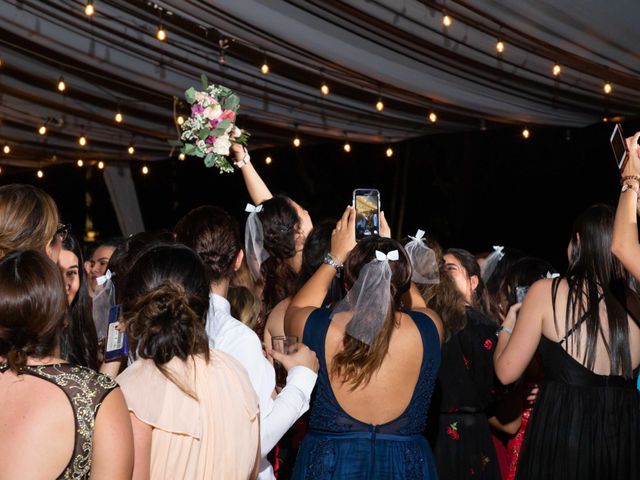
x=586, y=420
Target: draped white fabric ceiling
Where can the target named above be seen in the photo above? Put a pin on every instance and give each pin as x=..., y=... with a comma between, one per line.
x=396, y=50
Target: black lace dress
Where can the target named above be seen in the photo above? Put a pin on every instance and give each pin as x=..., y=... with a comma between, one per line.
x=466, y=387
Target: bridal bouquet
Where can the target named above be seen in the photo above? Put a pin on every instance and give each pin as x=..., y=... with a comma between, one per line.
x=211, y=130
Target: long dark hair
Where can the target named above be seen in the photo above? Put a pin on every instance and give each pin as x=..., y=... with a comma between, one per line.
x=595, y=274
x=481, y=300
x=522, y=273
x=316, y=247
x=357, y=362
x=165, y=304
x=280, y=224
x=33, y=307
x=79, y=341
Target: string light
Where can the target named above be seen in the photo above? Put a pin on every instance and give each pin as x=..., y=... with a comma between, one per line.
x=347, y=147
x=82, y=141
x=264, y=69
x=100, y=164
x=324, y=88
x=180, y=119
x=605, y=119
x=40, y=174
x=433, y=117
x=268, y=160
x=500, y=46
x=296, y=141
x=389, y=152
x=119, y=118
x=131, y=150
x=145, y=170
x=6, y=149
x=182, y=157
x=80, y=163
x=607, y=87
x=61, y=85
x=446, y=21
x=379, y=105
x=161, y=34
x=0, y=169
x=88, y=8
x=42, y=130
x=526, y=133
x=556, y=70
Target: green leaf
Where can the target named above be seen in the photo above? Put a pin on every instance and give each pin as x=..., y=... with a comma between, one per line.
x=205, y=81
x=198, y=153
x=222, y=127
x=232, y=102
x=190, y=95
x=208, y=160
x=175, y=143
x=189, y=149
x=204, y=133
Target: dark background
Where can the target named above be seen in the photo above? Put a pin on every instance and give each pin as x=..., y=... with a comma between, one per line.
x=470, y=190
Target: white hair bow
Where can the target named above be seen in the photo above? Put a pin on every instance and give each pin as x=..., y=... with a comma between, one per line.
x=252, y=208
x=498, y=249
x=393, y=256
x=103, y=279
x=552, y=275
x=419, y=235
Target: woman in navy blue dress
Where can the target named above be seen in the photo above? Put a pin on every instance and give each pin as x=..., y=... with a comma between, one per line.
x=378, y=364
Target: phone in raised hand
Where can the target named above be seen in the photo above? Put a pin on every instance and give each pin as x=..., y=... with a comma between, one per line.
x=366, y=202
x=619, y=146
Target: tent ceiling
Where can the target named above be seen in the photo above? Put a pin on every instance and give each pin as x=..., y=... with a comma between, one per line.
x=397, y=50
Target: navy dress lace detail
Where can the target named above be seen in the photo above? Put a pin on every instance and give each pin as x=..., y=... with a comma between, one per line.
x=337, y=446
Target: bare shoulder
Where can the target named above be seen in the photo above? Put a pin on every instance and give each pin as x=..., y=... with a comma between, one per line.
x=279, y=310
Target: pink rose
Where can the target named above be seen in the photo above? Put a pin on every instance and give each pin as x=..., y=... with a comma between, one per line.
x=228, y=114
x=196, y=109
x=210, y=140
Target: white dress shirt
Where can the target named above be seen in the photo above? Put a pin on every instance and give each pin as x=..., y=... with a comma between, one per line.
x=276, y=416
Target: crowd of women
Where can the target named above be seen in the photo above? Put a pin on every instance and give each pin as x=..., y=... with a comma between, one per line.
x=414, y=362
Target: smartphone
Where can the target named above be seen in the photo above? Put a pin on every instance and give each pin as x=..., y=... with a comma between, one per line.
x=366, y=201
x=620, y=150
x=520, y=293
x=116, y=346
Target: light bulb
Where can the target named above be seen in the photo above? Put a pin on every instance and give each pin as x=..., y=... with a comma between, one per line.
x=119, y=117
x=161, y=34
x=526, y=133
x=42, y=130
x=61, y=85
x=180, y=119
x=556, y=70
x=88, y=9
x=82, y=141
x=268, y=160
x=182, y=157
x=605, y=119
x=296, y=142
x=40, y=174
x=100, y=164
x=324, y=88
x=0, y=169
x=264, y=68
x=389, y=152
x=80, y=163
x=379, y=105
x=6, y=149
x=446, y=21
x=145, y=170
x=607, y=87
x=433, y=117
x=500, y=46
x=131, y=150
x=347, y=147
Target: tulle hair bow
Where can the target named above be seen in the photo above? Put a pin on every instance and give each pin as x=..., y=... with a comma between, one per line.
x=552, y=275
x=491, y=262
x=392, y=256
x=254, y=241
x=103, y=278
x=423, y=260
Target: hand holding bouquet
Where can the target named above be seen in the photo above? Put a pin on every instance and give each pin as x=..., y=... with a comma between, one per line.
x=211, y=130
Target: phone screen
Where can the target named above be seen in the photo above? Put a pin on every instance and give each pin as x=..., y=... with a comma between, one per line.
x=367, y=205
x=619, y=146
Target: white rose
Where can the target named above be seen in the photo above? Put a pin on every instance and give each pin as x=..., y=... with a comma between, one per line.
x=222, y=145
x=200, y=97
x=212, y=112
x=236, y=132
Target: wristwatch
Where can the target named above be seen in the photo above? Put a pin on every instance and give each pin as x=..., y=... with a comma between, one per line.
x=329, y=260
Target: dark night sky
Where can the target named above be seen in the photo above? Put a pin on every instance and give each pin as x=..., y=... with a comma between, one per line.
x=469, y=190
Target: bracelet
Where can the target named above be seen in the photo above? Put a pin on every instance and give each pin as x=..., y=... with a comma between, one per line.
x=628, y=186
x=329, y=260
x=246, y=160
x=506, y=330
x=629, y=177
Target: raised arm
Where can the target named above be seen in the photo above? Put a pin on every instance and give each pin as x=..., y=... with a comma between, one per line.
x=258, y=190
x=625, y=244
x=313, y=293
